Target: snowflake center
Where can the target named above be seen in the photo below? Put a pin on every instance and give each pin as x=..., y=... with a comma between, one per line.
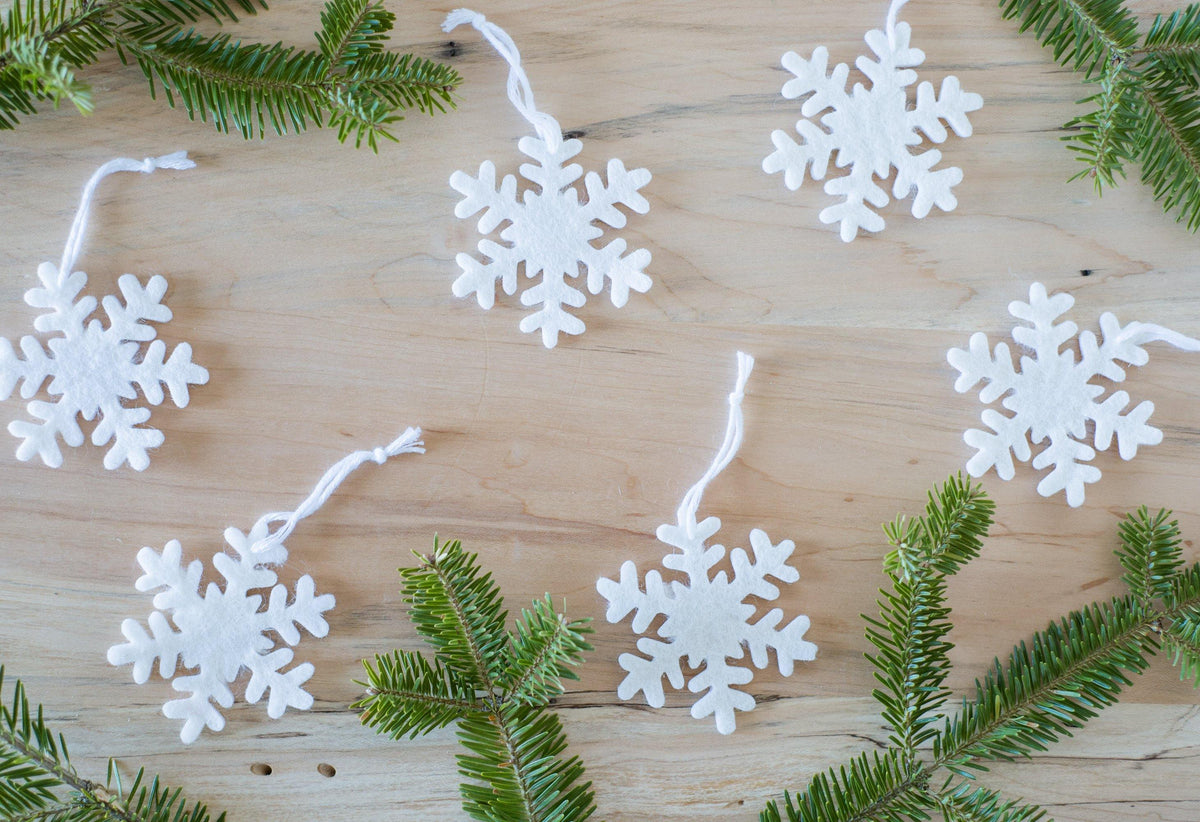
x=707, y=620
x=1056, y=391
x=863, y=142
x=226, y=621
x=550, y=231
x=92, y=368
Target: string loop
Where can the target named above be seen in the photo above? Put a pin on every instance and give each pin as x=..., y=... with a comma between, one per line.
x=177, y=160
x=734, y=431
x=520, y=93
x=407, y=443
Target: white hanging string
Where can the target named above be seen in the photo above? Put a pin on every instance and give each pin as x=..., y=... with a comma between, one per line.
x=177, y=160
x=519, y=90
x=1147, y=332
x=734, y=430
x=893, y=11
x=407, y=443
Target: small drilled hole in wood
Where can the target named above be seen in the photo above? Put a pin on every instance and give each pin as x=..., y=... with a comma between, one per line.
x=260, y=769
x=325, y=769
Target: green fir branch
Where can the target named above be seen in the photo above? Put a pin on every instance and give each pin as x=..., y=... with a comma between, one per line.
x=1150, y=554
x=1045, y=689
x=1148, y=107
x=38, y=783
x=494, y=683
x=351, y=84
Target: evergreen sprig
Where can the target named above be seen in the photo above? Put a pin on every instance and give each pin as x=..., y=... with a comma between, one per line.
x=1045, y=688
x=350, y=83
x=38, y=783
x=495, y=683
x=1147, y=107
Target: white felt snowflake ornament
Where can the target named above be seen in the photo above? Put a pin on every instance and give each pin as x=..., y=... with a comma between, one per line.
x=223, y=631
x=96, y=370
x=872, y=130
x=1053, y=396
x=548, y=232
x=707, y=617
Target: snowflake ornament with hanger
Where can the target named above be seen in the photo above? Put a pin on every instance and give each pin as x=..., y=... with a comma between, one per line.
x=1053, y=397
x=872, y=130
x=707, y=616
x=220, y=632
x=95, y=370
x=549, y=232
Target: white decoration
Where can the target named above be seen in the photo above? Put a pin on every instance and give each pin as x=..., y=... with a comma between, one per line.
x=549, y=232
x=872, y=131
x=220, y=632
x=94, y=370
x=707, y=618
x=1052, y=397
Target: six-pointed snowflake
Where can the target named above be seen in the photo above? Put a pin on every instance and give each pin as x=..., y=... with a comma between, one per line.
x=93, y=370
x=1052, y=396
x=872, y=131
x=708, y=621
x=550, y=233
x=220, y=632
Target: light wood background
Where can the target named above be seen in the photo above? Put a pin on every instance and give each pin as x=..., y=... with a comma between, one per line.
x=313, y=281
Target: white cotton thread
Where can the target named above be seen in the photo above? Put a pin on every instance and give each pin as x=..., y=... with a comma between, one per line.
x=734, y=432
x=176, y=160
x=520, y=93
x=893, y=13
x=407, y=443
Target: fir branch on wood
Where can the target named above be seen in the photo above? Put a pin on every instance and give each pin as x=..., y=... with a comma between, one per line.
x=1046, y=688
x=1147, y=109
x=39, y=784
x=350, y=83
x=496, y=684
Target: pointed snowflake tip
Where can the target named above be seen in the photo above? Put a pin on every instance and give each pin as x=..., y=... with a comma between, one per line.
x=95, y=371
x=219, y=633
x=1053, y=397
x=549, y=234
x=871, y=131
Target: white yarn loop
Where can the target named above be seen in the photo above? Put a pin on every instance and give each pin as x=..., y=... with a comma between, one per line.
x=407, y=443
x=893, y=12
x=176, y=160
x=734, y=431
x=520, y=93
x=1150, y=332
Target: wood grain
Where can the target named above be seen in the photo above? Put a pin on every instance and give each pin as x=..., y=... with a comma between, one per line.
x=313, y=282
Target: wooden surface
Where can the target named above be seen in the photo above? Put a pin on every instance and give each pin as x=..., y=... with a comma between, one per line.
x=313, y=281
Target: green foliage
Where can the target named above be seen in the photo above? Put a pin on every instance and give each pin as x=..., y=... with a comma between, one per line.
x=1043, y=690
x=494, y=683
x=38, y=782
x=1147, y=109
x=350, y=84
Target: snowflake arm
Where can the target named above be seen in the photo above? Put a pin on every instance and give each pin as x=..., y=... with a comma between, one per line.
x=57, y=420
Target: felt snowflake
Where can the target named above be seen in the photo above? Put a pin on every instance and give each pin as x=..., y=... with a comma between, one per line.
x=220, y=632
x=707, y=619
x=550, y=232
x=547, y=231
x=1053, y=396
x=872, y=130
x=95, y=370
